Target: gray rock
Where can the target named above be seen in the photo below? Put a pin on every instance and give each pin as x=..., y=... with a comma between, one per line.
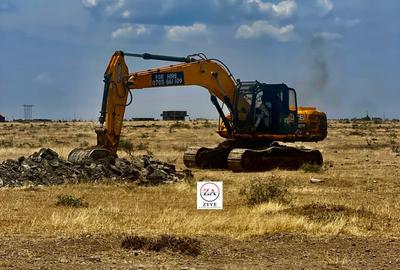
x=47, y=168
x=157, y=177
x=54, y=163
x=48, y=153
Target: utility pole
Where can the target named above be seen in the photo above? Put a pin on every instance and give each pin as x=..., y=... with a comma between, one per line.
x=27, y=111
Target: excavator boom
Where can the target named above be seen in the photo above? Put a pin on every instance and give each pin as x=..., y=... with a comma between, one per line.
x=211, y=74
x=118, y=82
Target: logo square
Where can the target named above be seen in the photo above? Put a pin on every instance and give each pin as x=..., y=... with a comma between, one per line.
x=210, y=195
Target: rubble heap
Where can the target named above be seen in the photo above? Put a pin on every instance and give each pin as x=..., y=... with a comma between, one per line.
x=47, y=168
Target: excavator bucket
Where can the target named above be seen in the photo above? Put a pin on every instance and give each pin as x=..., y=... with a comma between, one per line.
x=79, y=155
x=115, y=94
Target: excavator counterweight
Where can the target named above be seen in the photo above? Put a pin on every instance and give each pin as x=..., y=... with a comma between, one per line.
x=260, y=115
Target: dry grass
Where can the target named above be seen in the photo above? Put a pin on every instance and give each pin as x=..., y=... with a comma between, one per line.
x=359, y=195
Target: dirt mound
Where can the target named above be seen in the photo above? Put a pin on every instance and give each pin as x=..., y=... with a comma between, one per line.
x=47, y=168
x=184, y=245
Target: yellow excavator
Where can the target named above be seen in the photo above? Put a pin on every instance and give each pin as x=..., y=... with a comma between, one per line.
x=260, y=115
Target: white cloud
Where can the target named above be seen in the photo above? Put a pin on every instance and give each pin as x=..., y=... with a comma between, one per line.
x=219, y=3
x=325, y=5
x=130, y=30
x=261, y=28
x=43, y=79
x=284, y=8
x=181, y=32
x=90, y=3
x=352, y=22
x=117, y=5
x=347, y=23
x=328, y=35
x=126, y=14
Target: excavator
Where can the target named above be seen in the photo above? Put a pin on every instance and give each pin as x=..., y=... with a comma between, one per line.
x=259, y=117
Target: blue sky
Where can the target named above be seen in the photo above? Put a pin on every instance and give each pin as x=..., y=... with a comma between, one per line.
x=341, y=56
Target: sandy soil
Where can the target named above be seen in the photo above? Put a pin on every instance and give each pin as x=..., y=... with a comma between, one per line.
x=275, y=251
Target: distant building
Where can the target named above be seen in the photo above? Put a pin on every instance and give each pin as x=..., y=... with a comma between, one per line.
x=377, y=119
x=174, y=115
x=142, y=119
x=2, y=118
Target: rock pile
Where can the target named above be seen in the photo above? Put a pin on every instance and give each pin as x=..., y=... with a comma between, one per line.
x=47, y=168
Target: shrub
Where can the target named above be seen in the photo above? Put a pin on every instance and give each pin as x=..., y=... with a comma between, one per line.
x=328, y=164
x=82, y=135
x=84, y=144
x=395, y=148
x=71, y=201
x=311, y=168
x=126, y=146
x=7, y=143
x=326, y=212
x=178, y=125
x=260, y=191
x=180, y=147
x=142, y=146
x=356, y=133
x=207, y=124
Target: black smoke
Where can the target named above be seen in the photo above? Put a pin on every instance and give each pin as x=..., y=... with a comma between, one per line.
x=319, y=66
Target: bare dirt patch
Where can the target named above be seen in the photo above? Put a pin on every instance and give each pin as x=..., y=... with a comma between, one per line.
x=272, y=251
x=183, y=245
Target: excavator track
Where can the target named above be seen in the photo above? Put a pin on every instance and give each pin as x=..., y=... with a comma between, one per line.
x=282, y=157
x=240, y=157
x=189, y=157
x=208, y=158
x=235, y=159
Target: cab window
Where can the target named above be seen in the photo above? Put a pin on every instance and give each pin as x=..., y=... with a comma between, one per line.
x=292, y=100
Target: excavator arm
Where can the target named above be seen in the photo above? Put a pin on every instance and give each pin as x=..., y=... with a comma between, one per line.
x=114, y=101
x=208, y=73
x=211, y=74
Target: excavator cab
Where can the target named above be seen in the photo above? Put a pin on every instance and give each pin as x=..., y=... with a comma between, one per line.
x=273, y=108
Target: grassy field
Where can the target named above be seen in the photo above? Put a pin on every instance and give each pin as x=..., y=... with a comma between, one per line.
x=359, y=195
